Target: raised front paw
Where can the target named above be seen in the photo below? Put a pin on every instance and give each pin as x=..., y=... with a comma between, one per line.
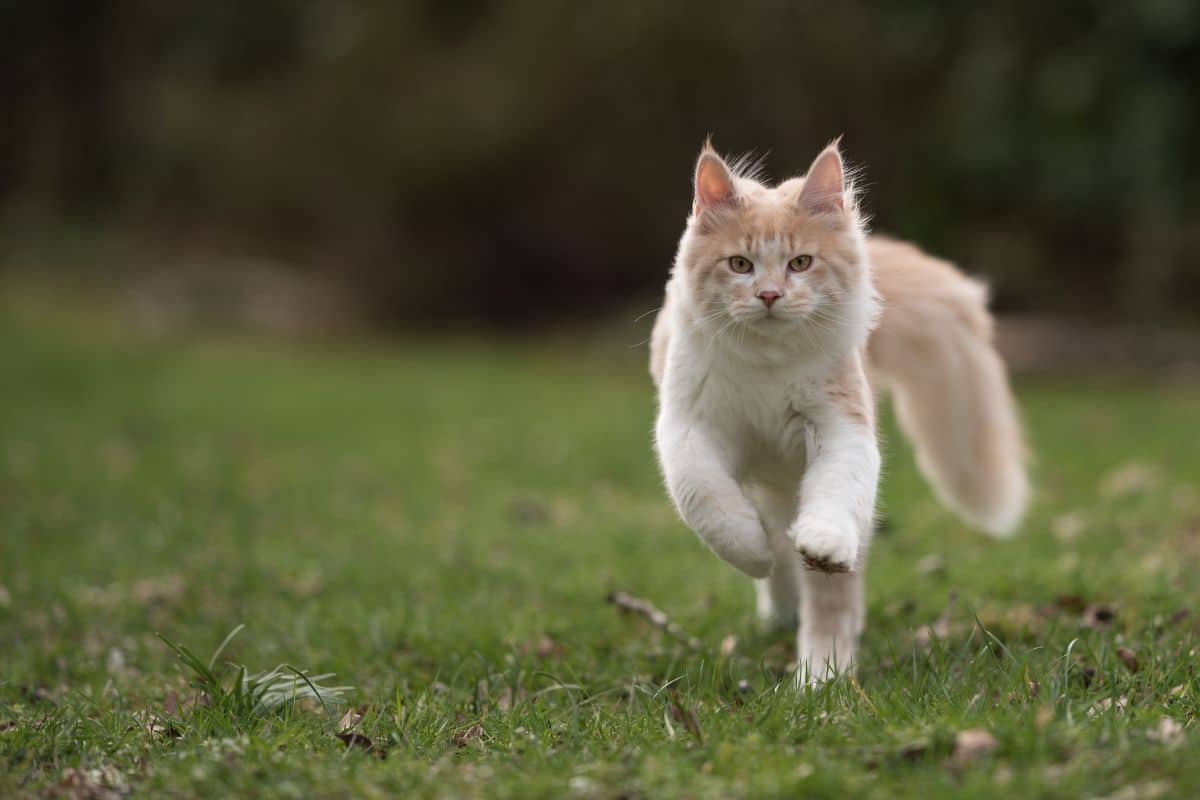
x=825, y=545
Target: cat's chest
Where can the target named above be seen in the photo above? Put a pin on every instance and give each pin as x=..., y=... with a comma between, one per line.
x=756, y=411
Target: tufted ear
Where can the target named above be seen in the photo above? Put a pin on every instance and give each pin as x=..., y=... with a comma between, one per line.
x=824, y=189
x=714, y=181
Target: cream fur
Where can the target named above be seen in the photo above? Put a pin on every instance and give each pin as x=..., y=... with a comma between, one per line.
x=766, y=426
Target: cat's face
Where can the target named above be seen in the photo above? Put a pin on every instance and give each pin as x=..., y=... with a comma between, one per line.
x=773, y=259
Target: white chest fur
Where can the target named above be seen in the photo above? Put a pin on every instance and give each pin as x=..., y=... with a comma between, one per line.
x=754, y=409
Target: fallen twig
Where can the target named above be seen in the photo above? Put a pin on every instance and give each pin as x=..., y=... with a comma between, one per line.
x=655, y=616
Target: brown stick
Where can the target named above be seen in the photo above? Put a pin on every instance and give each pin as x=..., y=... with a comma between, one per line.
x=655, y=616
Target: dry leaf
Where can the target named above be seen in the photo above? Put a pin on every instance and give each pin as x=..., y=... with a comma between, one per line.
x=1130, y=478
x=547, y=647
x=157, y=726
x=972, y=744
x=1067, y=527
x=1129, y=659
x=349, y=736
x=1106, y=704
x=1098, y=616
x=157, y=591
x=1168, y=732
x=351, y=719
x=940, y=629
x=1023, y=617
x=507, y=701
x=1053, y=773
x=306, y=584
x=1153, y=563
x=728, y=645
x=172, y=705
x=91, y=784
x=931, y=565
x=1070, y=602
x=1146, y=790
x=687, y=717
x=528, y=511
x=583, y=786
x=468, y=735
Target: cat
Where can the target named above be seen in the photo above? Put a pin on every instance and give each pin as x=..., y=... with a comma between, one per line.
x=782, y=316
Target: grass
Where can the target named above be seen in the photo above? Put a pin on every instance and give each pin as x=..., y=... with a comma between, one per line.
x=439, y=525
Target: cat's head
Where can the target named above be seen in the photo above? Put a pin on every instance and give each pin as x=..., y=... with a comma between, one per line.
x=781, y=261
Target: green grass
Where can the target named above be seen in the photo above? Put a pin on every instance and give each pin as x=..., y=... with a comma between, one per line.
x=439, y=525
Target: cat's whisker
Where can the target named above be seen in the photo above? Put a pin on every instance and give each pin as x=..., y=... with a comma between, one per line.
x=641, y=317
x=704, y=319
x=826, y=330
x=824, y=317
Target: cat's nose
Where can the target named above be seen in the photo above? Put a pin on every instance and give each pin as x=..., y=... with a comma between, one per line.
x=769, y=297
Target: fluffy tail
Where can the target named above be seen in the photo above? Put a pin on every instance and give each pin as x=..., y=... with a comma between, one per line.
x=933, y=350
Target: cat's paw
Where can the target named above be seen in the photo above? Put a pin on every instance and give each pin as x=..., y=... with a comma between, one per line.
x=824, y=544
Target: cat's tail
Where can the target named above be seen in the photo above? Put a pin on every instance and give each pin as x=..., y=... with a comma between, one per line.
x=933, y=350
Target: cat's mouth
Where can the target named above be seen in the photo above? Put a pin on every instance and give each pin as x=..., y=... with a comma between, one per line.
x=772, y=316
x=767, y=317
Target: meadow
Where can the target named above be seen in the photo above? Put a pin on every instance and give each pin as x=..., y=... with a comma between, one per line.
x=442, y=524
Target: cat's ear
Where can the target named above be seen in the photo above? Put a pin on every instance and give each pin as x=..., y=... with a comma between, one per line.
x=714, y=182
x=824, y=189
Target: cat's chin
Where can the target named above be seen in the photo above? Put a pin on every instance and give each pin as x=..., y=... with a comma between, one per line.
x=773, y=321
x=767, y=323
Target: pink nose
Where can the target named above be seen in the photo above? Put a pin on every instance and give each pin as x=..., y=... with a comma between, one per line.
x=769, y=298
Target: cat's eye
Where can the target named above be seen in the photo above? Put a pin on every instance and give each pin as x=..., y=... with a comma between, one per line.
x=800, y=263
x=740, y=264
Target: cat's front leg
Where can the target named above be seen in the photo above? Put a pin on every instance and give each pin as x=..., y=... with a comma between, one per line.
x=709, y=500
x=837, y=495
x=831, y=620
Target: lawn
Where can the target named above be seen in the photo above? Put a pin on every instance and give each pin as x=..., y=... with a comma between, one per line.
x=441, y=525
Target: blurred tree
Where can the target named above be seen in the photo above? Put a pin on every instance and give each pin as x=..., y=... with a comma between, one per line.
x=523, y=160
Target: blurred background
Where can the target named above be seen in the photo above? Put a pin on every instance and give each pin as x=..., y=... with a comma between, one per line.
x=516, y=164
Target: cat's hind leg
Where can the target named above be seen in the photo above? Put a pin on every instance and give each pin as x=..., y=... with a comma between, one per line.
x=777, y=596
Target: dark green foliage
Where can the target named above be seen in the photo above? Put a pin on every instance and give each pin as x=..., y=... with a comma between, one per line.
x=248, y=696
x=418, y=151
